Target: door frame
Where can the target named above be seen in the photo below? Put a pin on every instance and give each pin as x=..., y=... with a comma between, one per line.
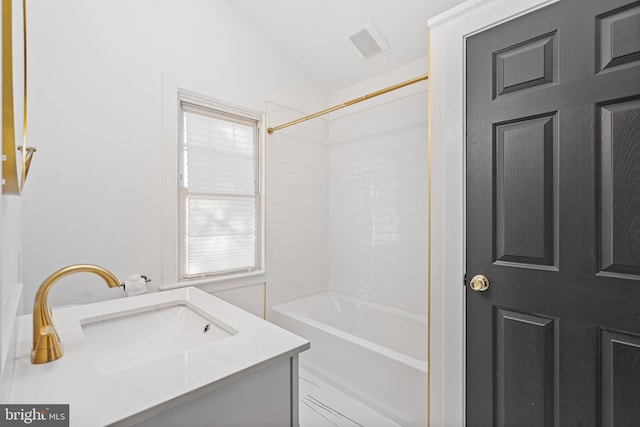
x=448, y=33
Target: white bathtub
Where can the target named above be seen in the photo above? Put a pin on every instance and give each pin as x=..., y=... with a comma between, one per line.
x=375, y=353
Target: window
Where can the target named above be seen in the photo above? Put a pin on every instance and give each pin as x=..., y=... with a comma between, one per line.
x=219, y=192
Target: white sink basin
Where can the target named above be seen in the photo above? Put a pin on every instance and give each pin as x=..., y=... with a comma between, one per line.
x=127, y=359
x=124, y=340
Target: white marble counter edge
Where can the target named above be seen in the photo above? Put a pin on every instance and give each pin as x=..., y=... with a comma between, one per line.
x=291, y=347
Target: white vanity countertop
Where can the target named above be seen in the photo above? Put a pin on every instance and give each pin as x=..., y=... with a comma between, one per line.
x=100, y=399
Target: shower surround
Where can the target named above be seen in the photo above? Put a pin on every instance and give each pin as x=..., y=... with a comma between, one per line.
x=347, y=239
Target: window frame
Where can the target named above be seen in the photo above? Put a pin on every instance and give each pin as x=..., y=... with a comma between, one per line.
x=175, y=91
x=183, y=192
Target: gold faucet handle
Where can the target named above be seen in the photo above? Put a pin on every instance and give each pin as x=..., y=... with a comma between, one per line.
x=48, y=346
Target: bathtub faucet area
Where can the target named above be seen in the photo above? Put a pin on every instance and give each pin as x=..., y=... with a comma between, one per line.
x=46, y=343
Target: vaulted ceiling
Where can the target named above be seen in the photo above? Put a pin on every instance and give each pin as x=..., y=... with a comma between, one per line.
x=313, y=33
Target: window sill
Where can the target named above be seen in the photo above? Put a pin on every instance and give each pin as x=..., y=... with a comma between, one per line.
x=211, y=284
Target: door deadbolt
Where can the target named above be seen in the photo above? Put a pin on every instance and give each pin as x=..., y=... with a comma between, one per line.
x=479, y=283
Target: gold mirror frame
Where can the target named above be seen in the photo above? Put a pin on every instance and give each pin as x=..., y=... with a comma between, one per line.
x=16, y=154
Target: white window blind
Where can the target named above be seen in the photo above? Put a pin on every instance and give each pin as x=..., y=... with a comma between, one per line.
x=220, y=200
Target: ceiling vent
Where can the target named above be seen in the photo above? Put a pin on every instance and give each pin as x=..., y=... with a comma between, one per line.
x=369, y=41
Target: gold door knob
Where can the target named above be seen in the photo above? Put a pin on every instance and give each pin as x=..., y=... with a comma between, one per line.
x=479, y=283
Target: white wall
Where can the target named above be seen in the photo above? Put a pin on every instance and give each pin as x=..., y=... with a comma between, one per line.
x=347, y=196
x=95, y=83
x=10, y=288
x=95, y=192
x=297, y=206
x=379, y=192
x=10, y=243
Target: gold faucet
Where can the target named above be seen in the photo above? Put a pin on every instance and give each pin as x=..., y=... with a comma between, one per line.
x=46, y=343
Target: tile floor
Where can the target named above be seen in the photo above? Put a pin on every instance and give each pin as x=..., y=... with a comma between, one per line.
x=323, y=406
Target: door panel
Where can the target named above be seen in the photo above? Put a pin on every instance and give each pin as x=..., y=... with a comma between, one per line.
x=526, y=65
x=553, y=217
x=620, y=187
x=618, y=37
x=524, y=229
x=526, y=372
x=620, y=355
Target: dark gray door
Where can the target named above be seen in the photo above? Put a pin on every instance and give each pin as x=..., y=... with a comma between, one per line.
x=553, y=218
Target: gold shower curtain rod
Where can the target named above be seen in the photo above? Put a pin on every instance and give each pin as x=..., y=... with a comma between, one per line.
x=349, y=103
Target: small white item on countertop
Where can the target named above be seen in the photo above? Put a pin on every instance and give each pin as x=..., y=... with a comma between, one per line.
x=135, y=285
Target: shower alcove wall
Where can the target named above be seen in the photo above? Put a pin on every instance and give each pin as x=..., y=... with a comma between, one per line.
x=347, y=212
